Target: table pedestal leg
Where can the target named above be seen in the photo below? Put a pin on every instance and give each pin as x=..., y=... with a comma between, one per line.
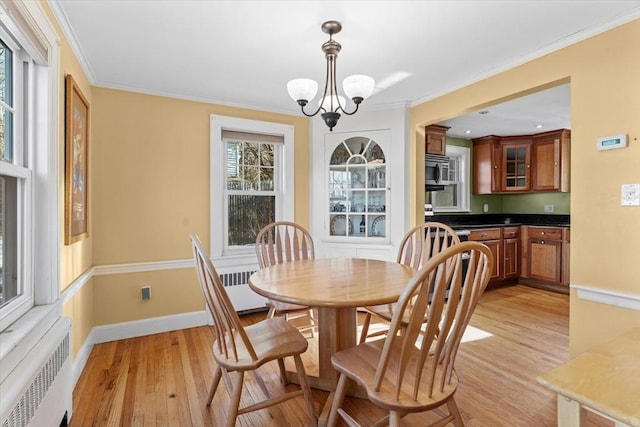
x=337, y=330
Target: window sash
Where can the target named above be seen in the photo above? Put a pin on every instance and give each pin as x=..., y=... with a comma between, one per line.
x=253, y=203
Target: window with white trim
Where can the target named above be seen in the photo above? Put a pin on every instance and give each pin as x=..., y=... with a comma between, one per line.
x=250, y=163
x=28, y=161
x=455, y=196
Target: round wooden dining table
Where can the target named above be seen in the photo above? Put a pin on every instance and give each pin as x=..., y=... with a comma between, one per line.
x=336, y=287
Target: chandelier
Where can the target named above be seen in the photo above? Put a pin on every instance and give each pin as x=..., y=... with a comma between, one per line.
x=356, y=87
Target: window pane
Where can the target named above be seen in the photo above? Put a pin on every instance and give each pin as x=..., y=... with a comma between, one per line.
x=247, y=215
x=6, y=103
x=8, y=239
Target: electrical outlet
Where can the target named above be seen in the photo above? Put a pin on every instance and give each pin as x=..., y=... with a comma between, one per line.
x=145, y=292
x=548, y=208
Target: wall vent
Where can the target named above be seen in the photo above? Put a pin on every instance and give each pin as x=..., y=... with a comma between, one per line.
x=236, y=279
x=29, y=403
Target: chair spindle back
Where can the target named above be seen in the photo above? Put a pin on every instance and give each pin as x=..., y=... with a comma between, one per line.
x=232, y=339
x=283, y=241
x=424, y=241
x=446, y=294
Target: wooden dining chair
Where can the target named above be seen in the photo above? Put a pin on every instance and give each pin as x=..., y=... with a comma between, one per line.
x=239, y=349
x=419, y=245
x=414, y=371
x=280, y=242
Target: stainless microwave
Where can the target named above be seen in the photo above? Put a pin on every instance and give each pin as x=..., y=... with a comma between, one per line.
x=436, y=171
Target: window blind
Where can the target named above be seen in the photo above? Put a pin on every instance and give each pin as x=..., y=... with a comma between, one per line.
x=251, y=137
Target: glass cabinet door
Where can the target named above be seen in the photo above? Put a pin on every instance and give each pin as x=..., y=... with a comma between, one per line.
x=516, y=167
x=357, y=189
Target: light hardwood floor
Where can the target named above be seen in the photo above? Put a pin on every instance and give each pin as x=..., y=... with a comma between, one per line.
x=516, y=334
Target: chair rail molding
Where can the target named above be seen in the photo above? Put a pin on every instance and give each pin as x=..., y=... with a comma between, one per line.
x=605, y=296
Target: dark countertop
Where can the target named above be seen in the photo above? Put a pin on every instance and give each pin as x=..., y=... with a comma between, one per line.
x=470, y=221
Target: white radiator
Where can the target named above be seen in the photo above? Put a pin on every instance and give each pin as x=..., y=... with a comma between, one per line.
x=241, y=295
x=38, y=392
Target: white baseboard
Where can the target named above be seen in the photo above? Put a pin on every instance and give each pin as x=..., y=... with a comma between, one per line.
x=138, y=328
x=154, y=325
x=81, y=358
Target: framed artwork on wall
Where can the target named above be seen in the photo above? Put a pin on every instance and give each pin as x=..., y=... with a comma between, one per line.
x=76, y=163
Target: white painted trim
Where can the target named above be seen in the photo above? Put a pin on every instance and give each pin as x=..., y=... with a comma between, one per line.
x=154, y=325
x=70, y=35
x=604, y=296
x=82, y=357
x=138, y=267
x=76, y=285
x=224, y=265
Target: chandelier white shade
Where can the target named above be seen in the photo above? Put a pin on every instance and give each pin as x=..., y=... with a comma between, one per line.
x=302, y=89
x=356, y=87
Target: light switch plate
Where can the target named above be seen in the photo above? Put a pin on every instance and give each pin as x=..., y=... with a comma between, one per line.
x=630, y=195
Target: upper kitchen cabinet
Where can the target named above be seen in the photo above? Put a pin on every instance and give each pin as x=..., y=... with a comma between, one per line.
x=521, y=164
x=487, y=165
x=516, y=164
x=550, y=159
x=435, y=139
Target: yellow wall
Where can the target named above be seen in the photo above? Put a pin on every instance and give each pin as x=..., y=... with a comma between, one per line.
x=151, y=190
x=604, y=72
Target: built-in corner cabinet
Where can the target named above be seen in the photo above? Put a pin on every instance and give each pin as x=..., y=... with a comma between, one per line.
x=357, y=189
x=522, y=164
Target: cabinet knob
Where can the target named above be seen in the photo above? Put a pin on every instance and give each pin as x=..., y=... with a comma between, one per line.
x=542, y=232
x=542, y=242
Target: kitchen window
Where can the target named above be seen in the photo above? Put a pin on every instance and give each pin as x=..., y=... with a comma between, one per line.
x=455, y=196
x=254, y=183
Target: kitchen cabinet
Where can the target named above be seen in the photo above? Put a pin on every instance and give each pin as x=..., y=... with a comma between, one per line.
x=504, y=243
x=516, y=165
x=511, y=244
x=550, y=160
x=487, y=165
x=522, y=164
x=492, y=237
x=435, y=139
x=546, y=257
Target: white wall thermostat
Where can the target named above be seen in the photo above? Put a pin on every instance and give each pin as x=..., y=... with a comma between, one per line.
x=611, y=142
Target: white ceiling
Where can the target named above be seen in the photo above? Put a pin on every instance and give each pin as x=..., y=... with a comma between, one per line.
x=242, y=53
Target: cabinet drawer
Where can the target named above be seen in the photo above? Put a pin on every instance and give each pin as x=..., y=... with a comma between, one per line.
x=511, y=232
x=546, y=233
x=485, y=234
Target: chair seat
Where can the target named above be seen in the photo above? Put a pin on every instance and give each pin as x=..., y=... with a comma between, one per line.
x=272, y=339
x=385, y=312
x=360, y=363
x=285, y=307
